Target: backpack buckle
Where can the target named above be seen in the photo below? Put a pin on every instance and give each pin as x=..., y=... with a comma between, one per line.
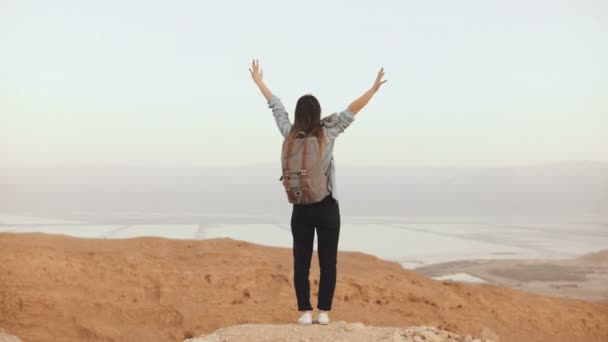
x=303, y=172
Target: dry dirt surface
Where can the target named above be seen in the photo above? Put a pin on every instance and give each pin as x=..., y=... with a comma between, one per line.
x=339, y=331
x=59, y=288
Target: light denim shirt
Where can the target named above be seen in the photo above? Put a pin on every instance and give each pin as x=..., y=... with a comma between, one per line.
x=332, y=125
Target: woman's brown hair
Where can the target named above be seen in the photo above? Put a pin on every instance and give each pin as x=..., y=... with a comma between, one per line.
x=308, y=119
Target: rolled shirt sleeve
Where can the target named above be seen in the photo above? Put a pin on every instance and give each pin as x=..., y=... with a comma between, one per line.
x=336, y=123
x=280, y=115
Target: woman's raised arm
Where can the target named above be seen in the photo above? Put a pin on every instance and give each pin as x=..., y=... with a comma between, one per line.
x=257, y=74
x=359, y=103
x=278, y=110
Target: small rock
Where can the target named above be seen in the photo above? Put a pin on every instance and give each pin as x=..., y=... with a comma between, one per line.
x=429, y=336
x=487, y=334
x=398, y=337
x=353, y=326
x=6, y=337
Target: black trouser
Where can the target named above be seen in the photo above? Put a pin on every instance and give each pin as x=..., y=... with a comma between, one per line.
x=325, y=217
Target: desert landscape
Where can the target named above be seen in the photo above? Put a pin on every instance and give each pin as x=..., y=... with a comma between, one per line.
x=54, y=287
x=141, y=148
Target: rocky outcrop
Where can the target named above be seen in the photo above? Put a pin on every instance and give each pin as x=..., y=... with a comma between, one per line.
x=6, y=337
x=338, y=331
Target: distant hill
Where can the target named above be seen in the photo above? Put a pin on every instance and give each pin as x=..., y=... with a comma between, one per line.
x=554, y=190
x=596, y=257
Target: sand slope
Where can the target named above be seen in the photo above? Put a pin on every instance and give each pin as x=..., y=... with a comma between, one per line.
x=54, y=287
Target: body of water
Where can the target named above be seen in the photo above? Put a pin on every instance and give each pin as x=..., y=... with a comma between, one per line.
x=411, y=242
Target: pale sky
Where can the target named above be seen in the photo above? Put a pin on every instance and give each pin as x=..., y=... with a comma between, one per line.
x=469, y=82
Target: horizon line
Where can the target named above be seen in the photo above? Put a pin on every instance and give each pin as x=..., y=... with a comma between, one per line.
x=267, y=163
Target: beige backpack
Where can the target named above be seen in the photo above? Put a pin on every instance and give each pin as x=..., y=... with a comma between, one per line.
x=303, y=177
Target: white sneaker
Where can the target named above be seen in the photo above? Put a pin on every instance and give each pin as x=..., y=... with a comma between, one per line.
x=323, y=318
x=305, y=319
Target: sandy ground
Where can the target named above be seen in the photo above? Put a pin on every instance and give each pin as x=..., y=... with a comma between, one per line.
x=58, y=288
x=338, y=331
x=585, y=277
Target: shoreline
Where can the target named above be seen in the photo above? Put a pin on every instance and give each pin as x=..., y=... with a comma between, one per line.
x=584, y=277
x=501, y=253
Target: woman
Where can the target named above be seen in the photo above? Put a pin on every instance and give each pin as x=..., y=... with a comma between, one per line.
x=324, y=216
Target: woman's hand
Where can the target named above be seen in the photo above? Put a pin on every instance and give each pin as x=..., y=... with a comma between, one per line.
x=360, y=102
x=378, y=82
x=256, y=72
